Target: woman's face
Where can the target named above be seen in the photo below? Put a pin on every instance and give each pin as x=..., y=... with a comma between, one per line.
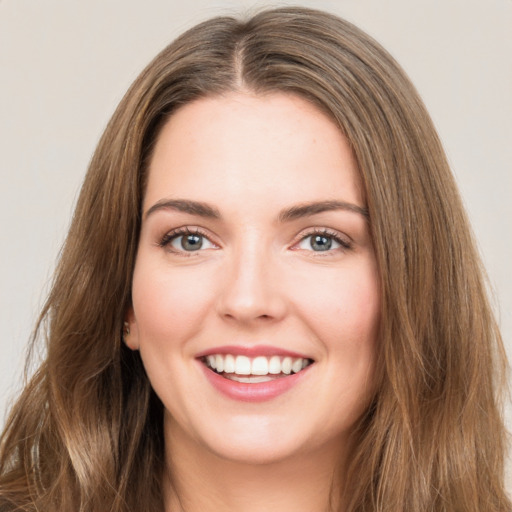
x=255, y=291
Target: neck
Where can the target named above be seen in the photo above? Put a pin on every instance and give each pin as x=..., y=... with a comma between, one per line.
x=198, y=480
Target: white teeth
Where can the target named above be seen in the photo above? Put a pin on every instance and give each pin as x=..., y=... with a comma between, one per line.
x=287, y=365
x=274, y=365
x=229, y=364
x=251, y=379
x=219, y=363
x=260, y=366
x=296, y=365
x=242, y=365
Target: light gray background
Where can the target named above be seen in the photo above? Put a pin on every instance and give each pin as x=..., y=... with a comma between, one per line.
x=65, y=64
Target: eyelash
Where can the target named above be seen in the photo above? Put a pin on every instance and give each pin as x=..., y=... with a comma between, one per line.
x=345, y=245
x=169, y=237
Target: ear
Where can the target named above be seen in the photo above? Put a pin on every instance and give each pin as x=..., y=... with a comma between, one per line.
x=130, y=330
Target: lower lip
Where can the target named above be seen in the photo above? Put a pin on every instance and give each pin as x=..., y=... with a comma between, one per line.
x=256, y=392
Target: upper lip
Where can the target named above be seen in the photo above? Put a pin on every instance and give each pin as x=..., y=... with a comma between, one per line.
x=251, y=351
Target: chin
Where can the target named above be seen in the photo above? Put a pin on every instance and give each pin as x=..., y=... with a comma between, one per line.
x=254, y=440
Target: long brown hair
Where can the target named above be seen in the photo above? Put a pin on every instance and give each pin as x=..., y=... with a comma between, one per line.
x=86, y=434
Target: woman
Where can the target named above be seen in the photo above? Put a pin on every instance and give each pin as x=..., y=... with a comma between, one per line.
x=269, y=296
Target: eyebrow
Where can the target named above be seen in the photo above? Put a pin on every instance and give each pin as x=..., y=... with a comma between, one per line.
x=288, y=214
x=307, y=209
x=186, y=206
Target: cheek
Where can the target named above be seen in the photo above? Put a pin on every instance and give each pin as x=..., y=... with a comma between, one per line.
x=169, y=310
x=344, y=316
x=358, y=310
x=344, y=304
x=356, y=320
x=169, y=305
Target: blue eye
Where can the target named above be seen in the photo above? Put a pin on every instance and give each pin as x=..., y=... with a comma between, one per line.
x=322, y=242
x=186, y=241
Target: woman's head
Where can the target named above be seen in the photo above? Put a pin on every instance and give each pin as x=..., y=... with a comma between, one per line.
x=330, y=63
x=434, y=342
x=414, y=212
x=255, y=248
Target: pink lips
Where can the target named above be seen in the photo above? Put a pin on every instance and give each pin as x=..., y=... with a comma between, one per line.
x=251, y=392
x=252, y=351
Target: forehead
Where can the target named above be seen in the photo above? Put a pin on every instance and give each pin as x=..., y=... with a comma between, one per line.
x=273, y=147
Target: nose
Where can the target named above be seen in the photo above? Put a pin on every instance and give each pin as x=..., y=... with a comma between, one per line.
x=251, y=290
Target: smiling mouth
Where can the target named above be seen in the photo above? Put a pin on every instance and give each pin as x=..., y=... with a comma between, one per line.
x=254, y=369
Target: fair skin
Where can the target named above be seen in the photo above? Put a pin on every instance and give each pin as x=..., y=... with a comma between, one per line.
x=255, y=244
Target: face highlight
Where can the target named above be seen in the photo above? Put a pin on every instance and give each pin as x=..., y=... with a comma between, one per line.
x=255, y=291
